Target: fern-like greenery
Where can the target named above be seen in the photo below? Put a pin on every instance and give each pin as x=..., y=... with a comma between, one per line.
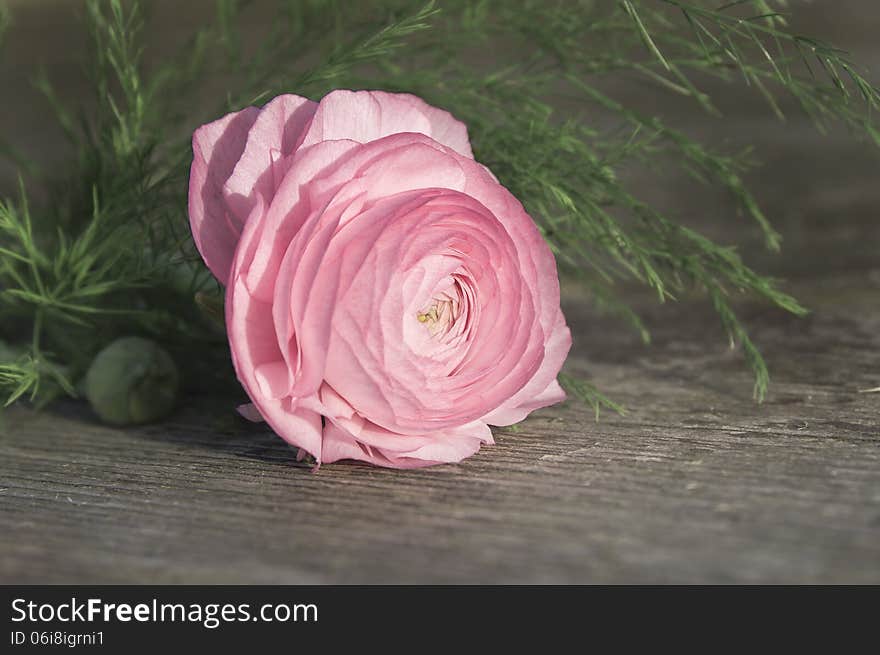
x=111, y=253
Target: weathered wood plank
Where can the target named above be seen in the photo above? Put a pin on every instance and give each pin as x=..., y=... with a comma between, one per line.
x=696, y=483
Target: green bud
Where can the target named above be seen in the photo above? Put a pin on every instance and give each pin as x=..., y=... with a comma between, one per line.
x=133, y=380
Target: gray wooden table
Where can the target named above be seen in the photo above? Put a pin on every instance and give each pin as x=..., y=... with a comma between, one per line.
x=697, y=483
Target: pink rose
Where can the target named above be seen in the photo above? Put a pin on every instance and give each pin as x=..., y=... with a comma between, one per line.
x=386, y=298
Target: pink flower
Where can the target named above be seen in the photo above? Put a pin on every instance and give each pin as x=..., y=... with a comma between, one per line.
x=386, y=298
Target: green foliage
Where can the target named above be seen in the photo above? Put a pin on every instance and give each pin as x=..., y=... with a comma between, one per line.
x=112, y=254
x=589, y=395
x=819, y=76
x=375, y=46
x=568, y=174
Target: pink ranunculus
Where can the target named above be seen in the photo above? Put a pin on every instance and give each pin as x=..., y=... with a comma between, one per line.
x=386, y=298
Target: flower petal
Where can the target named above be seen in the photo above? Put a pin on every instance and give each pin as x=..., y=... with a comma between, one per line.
x=508, y=415
x=217, y=147
x=445, y=128
x=279, y=129
x=250, y=412
x=542, y=390
x=340, y=444
x=363, y=116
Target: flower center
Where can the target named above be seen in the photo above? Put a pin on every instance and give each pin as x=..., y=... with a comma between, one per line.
x=440, y=316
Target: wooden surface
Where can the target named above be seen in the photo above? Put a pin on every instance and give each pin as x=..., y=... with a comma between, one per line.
x=696, y=483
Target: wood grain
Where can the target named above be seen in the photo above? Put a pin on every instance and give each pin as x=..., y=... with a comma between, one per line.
x=697, y=483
